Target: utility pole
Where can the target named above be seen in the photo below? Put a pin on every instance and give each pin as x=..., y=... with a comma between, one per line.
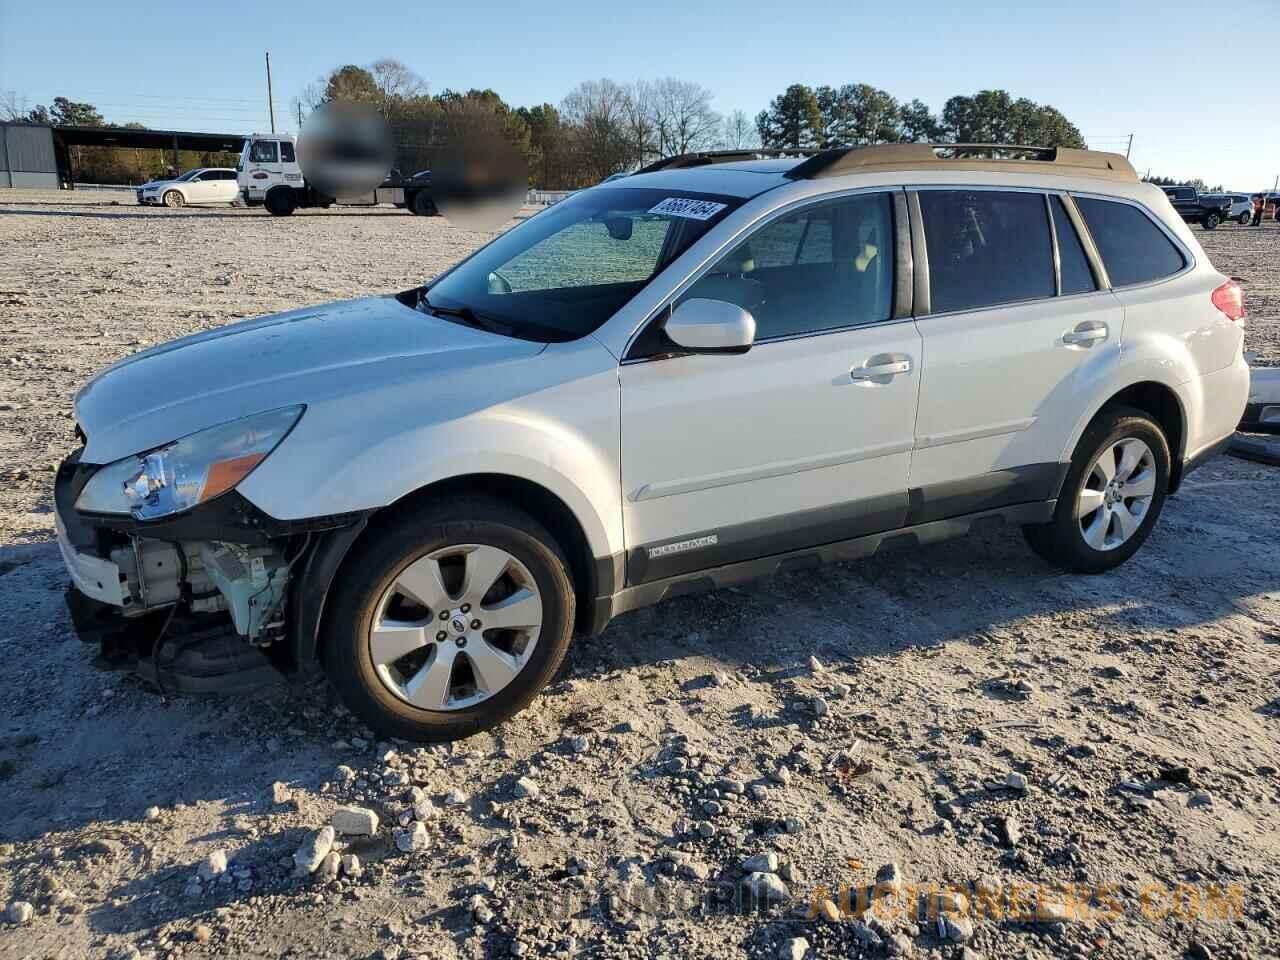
x=271, y=107
x=299, y=116
x=1129, y=148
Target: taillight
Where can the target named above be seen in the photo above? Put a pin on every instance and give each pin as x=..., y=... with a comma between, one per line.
x=1229, y=298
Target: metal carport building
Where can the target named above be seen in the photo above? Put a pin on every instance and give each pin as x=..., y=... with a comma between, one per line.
x=34, y=155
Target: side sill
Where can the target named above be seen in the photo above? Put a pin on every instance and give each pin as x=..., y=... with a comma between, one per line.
x=716, y=578
x=1199, y=460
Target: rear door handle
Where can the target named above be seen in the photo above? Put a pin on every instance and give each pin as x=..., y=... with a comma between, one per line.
x=1086, y=334
x=888, y=368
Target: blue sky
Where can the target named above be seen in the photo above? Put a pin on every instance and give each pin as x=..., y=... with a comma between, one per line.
x=1113, y=68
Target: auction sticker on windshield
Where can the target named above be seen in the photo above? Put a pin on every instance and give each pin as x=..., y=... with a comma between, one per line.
x=689, y=209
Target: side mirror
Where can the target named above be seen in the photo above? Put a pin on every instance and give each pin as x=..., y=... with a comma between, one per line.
x=619, y=227
x=711, y=326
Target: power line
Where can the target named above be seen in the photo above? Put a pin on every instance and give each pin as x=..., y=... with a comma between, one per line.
x=117, y=94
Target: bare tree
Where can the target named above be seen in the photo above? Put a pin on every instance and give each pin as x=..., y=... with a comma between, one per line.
x=683, y=116
x=739, y=132
x=396, y=82
x=640, y=123
x=597, y=109
x=14, y=107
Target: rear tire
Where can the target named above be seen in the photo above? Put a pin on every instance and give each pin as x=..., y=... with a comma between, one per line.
x=173, y=199
x=1211, y=221
x=417, y=584
x=422, y=205
x=281, y=203
x=1112, y=496
x=1244, y=219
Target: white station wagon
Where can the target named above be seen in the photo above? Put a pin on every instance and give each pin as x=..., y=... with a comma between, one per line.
x=718, y=368
x=206, y=185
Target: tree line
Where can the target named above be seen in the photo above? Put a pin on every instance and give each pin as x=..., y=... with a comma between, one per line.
x=603, y=127
x=1199, y=185
x=855, y=114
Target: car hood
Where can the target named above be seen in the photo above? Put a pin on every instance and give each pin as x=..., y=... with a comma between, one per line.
x=313, y=355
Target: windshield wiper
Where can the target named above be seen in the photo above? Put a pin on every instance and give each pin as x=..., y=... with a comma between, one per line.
x=468, y=316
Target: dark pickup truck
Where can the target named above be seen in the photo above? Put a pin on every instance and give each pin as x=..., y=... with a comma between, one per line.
x=1206, y=210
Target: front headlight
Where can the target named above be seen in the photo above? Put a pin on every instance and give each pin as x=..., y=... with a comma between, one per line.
x=189, y=471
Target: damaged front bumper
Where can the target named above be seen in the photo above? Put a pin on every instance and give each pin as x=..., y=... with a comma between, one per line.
x=207, y=593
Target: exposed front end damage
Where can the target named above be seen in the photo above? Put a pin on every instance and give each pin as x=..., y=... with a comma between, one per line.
x=201, y=603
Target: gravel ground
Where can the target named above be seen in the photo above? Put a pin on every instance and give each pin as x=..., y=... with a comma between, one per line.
x=1102, y=751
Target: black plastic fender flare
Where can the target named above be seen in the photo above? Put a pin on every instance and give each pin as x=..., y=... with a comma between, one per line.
x=310, y=590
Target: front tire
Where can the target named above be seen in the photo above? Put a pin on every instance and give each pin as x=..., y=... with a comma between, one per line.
x=1112, y=496
x=1244, y=219
x=281, y=203
x=1211, y=221
x=449, y=620
x=173, y=199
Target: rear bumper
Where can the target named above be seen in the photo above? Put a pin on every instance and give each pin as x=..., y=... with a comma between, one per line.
x=1262, y=412
x=1261, y=418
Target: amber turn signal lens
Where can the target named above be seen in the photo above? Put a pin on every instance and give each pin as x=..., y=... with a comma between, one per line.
x=225, y=474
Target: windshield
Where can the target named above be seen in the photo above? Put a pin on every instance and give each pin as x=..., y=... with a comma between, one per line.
x=186, y=176
x=561, y=274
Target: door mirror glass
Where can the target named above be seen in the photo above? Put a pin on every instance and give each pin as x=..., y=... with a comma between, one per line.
x=711, y=326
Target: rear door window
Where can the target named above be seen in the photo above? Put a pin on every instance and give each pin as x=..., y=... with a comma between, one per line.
x=986, y=247
x=1076, y=275
x=1134, y=250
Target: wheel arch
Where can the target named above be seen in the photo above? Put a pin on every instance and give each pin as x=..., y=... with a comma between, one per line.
x=592, y=577
x=1158, y=400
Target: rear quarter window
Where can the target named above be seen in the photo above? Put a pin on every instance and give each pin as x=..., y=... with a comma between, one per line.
x=1134, y=250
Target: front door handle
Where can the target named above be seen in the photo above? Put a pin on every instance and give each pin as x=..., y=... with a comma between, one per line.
x=878, y=367
x=1086, y=334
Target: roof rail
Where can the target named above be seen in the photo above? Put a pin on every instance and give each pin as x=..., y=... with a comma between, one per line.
x=1016, y=158
x=704, y=157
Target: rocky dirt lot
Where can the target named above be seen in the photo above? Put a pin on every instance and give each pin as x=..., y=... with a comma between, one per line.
x=1088, y=765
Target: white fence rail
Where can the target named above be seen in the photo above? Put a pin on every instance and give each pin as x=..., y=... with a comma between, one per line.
x=541, y=198
x=546, y=198
x=104, y=186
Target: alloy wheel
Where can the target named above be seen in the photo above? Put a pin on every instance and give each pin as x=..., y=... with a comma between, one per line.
x=1116, y=494
x=456, y=627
